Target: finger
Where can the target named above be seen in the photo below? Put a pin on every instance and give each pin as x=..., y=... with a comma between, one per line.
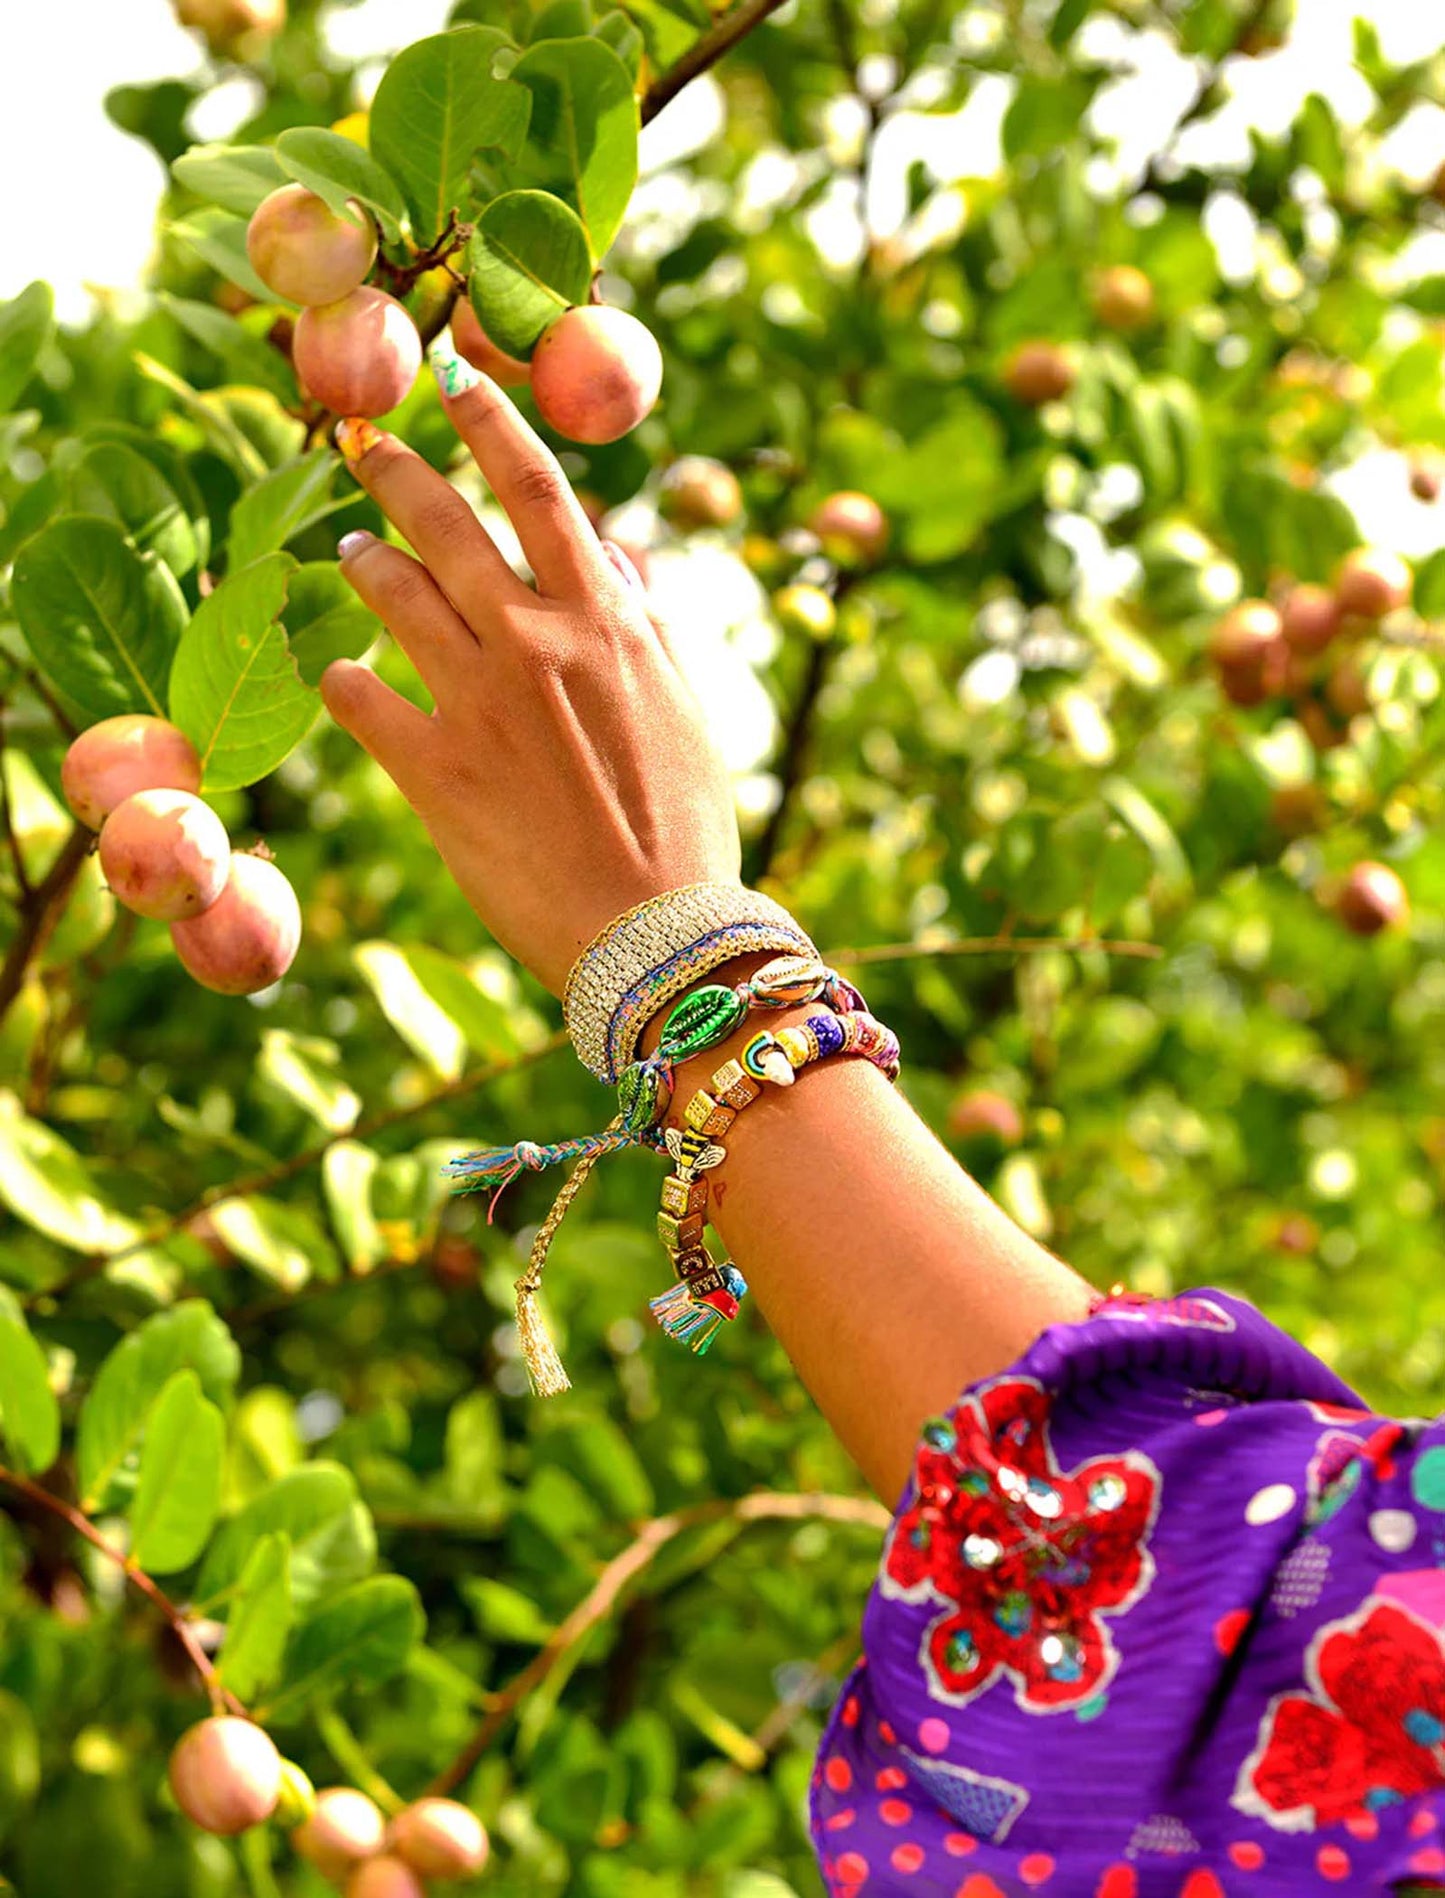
x=556, y=536
x=457, y=550
x=406, y=599
x=637, y=588
x=396, y=734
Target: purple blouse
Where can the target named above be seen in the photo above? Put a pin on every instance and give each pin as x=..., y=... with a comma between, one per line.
x=1160, y=1615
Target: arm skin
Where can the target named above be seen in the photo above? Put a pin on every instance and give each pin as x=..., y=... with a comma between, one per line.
x=567, y=772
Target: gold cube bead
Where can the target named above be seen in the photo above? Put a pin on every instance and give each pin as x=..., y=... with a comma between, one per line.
x=683, y=1196
x=733, y=1087
x=679, y=1235
x=707, y=1116
x=691, y=1264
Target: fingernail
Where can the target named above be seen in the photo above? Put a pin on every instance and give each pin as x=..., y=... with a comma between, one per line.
x=454, y=374
x=624, y=566
x=355, y=437
x=353, y=543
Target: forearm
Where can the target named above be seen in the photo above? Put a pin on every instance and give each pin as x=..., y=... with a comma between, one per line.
x=889, y=1276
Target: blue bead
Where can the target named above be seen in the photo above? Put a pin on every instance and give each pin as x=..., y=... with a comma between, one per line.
x=829, y=1031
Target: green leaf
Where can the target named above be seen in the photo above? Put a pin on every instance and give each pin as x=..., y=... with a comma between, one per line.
x=337, y=169
x=326, y=1525
x=582, y=138
x=281, y=505
x=283, y=1243
x=359, y=1638
x=474, y=1453
x=304, y=1069
x=486, y=1022
x=259, y=1621
x=214, y=421
x=947, y=485
x=219, y=239
x=45, y=1183
x=1044, y=115
x=178, y=1492
x=346, y=1176
x=422, y=1023
x=102, y=620
x=114, y=1416
x=560, y=20
x=29, y=1413
x=669, y=27
x=528, y=262
x=503, y=1613
x=616, y=30
x=25, y=324
x=244, y=357
x=439, y=103
x=235, y=691
x=237, y=177
x=1430, y=587
x=113, y=478
x=324, y=619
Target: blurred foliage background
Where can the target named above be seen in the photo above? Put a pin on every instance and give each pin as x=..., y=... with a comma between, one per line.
x=1014, y=732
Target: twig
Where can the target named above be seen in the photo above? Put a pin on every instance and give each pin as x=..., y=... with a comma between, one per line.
x=720, y=38
x=40, y=912
x=221, y=1695
x=22, y=875
x=264, y=1178
x=349, y=1754
x=651, y=1538
x=795, y=748
x=994, y=946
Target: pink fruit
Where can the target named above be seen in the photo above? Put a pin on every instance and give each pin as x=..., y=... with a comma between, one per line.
x=1311, y=618
x=249, y=936
x=113, y=760
x=1372, y=583
x=982, y=1112
x=1037, y=373
x=344, y=1829
x=233, y=25
x=700, y=492
x=852, y=528
x=384, y=1878
x=481, y=352
x=439, y=1839
x=300, y=248
x=1373, y=898
x=360, y=355
x=1245, y=634
x=226, y=1775
x=165, y=854
x=596, y=373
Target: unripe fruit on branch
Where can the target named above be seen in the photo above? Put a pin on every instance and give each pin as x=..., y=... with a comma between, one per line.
x=233, y=25
x=1245, y=634
x=1037, y=373
x=439, y=1839
x=226, y=1775
x=1244, y=685
x=1310, y=618
x=345, y=1828
x=1372, y=583
x=384, y=1878
x=804, y=609
x=249, y=936
x=851, y=527
x=1372, y=898
x=1348, y=686
x=984, y=1112
x=596, y=373
x=1324, y=731
x=300, y=248
x=165, y=854
x=1123, y=298
x=114, y=759
x=700, y=492
x=298, y=1796
x=1426, y=480
x=473, y=342
x=1298, y=809
x=360, y=355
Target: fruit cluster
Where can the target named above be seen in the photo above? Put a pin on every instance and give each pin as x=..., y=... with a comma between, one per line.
x=234, y=918
x=227, y=1776
x=595, y=372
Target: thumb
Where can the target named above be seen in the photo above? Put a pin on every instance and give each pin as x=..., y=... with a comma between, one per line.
x=396, y=734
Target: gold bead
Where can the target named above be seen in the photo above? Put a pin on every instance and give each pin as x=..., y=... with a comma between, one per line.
x=680, y=1235
x=733, y=1087
x=704, y=1115
x=683, y=1196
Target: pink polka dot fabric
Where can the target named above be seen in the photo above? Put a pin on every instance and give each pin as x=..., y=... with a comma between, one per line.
x=1161, y=1615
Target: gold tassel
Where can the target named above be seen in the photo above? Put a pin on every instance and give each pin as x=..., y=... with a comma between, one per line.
x=545, y=1371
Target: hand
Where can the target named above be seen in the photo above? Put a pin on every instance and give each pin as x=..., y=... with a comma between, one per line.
x=566, y=771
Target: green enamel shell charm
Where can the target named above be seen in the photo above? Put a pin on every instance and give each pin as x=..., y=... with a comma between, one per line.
x=642, y=1095
x=701, y=1021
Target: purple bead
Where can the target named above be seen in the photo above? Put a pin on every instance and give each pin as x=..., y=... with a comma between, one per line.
x=829, y=1031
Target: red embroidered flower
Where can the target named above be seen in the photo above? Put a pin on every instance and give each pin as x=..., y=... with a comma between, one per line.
x=1370, y=1734
x=1026, y=1555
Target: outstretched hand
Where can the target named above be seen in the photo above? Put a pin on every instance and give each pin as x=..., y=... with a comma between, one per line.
x=566, y=771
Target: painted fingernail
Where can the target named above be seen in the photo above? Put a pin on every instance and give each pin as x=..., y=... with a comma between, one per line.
x=355, y=437
x=353, y=543
x=454, y=374
x=624, y=566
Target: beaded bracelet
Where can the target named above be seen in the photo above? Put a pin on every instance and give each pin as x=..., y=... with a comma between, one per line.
x=709, y=1293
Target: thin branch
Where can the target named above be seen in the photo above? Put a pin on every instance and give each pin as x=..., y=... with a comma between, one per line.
x=796, y=741
x=349, y=1754
x=720, y=38
x=994, y=946
x=40, y=911
x=221, y=1695
x=7, y=822
x=264, y=1178
x=651, y=1538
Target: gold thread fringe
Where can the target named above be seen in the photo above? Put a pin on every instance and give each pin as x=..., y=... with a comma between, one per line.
x=545, y=1370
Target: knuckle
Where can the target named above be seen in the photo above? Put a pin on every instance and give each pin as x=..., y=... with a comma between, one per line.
x=444, y=517
x=409, y=588
x=538, y=484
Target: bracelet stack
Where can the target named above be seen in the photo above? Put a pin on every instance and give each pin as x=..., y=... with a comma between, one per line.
x=642, y=961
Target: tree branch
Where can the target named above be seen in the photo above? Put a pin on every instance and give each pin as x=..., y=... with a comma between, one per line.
x=40, y=911
x=221, y=1695
x=993, y=946
x=720, y=38
x=651, y=1538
